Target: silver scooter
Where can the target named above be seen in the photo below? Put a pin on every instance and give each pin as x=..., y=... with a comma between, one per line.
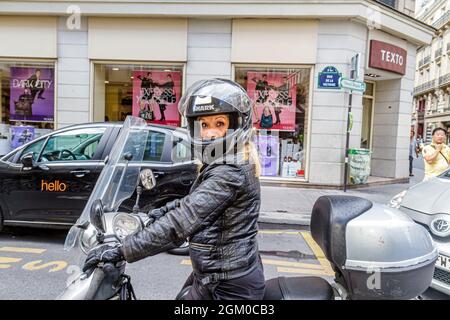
x=376, y=252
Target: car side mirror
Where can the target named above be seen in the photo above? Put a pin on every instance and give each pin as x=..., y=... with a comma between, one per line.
x=28, y=161
x=96, y=216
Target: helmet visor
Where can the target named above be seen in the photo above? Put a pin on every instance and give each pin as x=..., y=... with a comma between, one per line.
x=224, y=90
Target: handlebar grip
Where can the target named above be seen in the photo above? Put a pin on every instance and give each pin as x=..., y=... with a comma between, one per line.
x=108, y=268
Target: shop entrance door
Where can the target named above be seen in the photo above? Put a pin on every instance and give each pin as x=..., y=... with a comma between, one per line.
x=367, y=116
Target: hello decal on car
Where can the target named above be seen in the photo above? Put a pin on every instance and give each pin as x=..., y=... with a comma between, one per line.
x=55, y=186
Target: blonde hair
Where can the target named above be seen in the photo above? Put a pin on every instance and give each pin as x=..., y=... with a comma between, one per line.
x=250, y=154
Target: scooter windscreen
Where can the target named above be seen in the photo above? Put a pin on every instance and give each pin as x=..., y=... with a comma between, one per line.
x=118, y=179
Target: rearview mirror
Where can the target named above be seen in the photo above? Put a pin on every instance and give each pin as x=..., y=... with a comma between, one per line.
x=28, y=161
x=96, y=216
x=148, y=180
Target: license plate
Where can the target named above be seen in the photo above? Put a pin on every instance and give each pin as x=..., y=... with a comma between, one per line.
x=443, y=262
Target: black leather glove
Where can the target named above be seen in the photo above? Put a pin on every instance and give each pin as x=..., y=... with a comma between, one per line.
x=157, y=213
x=103, y=253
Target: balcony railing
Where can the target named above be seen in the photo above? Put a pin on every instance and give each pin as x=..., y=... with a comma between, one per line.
x=442, y=20
x=438, y=53
x=429, y=85
x=444, y=80
x=420, y=63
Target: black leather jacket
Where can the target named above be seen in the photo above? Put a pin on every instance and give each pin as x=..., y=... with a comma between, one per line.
x=219, y=217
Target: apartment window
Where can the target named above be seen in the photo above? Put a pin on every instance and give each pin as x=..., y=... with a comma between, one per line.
x=390, y=3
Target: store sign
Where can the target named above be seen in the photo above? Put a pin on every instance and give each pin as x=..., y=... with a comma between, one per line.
x=274, y=95
x=156, y=95
x=329, y=78
x=32, y=94
x=388, y=57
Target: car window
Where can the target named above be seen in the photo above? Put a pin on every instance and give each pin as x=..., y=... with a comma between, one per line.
x=181, y=150
x=73, y=145
x=89, y=149
x=35, y=148
x=155, y=146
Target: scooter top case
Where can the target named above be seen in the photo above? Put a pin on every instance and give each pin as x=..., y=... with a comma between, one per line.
x=377, y=252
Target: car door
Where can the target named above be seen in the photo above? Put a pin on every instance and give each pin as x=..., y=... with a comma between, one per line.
x=68, y=166
x=167, y=155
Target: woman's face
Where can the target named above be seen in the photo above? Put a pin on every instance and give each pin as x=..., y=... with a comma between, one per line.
x=215, y=126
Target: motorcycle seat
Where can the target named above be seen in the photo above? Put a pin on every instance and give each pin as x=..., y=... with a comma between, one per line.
x=298, y=288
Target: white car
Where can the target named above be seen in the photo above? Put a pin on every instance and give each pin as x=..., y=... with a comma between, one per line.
x=428, y=203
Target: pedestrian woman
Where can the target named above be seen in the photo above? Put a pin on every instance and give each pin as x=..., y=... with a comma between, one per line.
x=220, y=214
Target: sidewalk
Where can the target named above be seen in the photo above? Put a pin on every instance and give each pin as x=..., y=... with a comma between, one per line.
x=293, y=206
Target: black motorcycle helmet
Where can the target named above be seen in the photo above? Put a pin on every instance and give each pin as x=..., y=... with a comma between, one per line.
x=212, y=97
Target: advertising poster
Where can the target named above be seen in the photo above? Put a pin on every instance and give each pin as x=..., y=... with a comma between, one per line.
x=32, y=94
x=21, y=135
x=156, y=95
x=274, y=95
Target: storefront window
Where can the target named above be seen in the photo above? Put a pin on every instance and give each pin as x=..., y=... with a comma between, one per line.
x=27, y=102
x=151, y=92
x=280, y=116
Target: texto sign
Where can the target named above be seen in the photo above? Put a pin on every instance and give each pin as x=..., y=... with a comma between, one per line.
x=387, y=57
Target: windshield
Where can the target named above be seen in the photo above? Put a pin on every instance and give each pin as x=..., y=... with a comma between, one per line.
x=445, y=175
x=119, y=177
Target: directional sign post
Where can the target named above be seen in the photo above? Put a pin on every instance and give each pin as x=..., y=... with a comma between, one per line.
x=351, y=85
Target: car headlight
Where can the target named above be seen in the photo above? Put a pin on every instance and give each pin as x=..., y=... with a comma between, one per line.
x=125, y=224
x=440, y=226
x=397, y=200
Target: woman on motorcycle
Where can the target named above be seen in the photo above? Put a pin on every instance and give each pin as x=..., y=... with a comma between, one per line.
x=219, y=216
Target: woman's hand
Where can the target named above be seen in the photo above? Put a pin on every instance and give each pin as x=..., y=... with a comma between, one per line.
x=157, y=213
x=103, y=253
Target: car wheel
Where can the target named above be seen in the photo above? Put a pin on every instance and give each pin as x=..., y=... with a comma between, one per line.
x=182, y=250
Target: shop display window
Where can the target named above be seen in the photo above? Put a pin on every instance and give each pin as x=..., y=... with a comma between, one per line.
x=149, y=91
x=280, y=116
x=27, y=91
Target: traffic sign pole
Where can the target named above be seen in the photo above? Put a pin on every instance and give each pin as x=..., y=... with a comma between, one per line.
x=347, y=141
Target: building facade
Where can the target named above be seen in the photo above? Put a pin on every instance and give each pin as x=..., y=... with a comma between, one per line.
x=103, y=60
x=432, y=87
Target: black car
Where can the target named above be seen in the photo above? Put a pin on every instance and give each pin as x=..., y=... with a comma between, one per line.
x=47, y=182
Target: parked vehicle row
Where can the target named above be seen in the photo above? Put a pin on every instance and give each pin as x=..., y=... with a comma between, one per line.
x=428, y=203
x=47, y=182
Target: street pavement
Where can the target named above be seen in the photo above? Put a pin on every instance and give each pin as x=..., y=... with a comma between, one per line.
x=33, y=264
x=288, y=205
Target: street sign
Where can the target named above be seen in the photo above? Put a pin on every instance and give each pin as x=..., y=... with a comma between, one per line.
x=352, y=85
x=329, y=78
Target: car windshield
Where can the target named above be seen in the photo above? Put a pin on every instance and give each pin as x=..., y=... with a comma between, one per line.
x=445, y=175
x=119, y=177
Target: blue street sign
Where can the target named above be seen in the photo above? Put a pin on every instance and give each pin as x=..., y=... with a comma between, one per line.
x=329, y=78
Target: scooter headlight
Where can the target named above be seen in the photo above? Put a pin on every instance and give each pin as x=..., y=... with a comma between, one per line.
x=397, y=200
x=125, y=224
